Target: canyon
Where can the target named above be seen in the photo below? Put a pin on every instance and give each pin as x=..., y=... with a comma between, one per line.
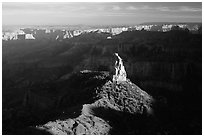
x=41, y=77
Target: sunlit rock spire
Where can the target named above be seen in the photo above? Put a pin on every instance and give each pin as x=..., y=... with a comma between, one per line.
x=120, y=73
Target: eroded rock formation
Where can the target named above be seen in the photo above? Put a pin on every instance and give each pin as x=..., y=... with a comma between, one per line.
x=120, y=73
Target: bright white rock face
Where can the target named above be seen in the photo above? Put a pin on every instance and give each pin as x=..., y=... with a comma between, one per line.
x=67, y=35
x=120, y=73
x=77, y=32
x=109, y=37
x=29, y=36
x=12, y=35
x=57, y=37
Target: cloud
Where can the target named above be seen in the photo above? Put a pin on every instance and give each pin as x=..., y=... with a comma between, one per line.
x=80, y=8
x=183, y=16
x=131, y=8
x=101, y=8
x=118, y=14
x=116, y=8
x=163, y=9
x=145, y=7
x=189, y=9
x=179, y=9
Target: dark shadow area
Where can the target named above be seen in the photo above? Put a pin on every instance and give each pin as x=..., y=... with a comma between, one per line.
x=123, y=123
x=28, y=131
x=166, y=120
x=81, y=87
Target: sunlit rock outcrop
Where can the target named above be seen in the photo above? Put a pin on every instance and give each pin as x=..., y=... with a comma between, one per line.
x=120, y=73
x=29, y=36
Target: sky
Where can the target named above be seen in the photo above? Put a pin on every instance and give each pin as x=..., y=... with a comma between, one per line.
x=95, y=13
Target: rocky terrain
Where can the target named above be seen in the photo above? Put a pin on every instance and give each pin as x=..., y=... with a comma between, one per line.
x=96, y=106
x=113, y=105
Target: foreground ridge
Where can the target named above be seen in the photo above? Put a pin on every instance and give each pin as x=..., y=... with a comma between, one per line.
x=114, y=104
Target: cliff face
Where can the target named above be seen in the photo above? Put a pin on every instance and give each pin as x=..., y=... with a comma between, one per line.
x=36, y=101
x=151, y=58
x=157, y=74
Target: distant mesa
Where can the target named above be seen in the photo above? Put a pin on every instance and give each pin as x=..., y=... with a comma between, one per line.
x=17, y=35
x=21, y=36
x=29, y=36
x=41, y=33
